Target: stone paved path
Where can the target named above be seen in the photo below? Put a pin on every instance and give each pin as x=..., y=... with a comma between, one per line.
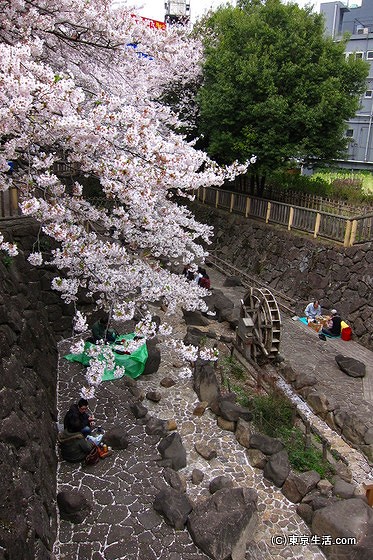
x=306, y=353
x=123, y=524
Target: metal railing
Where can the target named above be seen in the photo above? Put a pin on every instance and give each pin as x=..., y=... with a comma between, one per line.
x=349, y=231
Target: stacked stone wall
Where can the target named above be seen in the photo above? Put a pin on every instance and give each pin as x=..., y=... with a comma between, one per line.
x=299, y=266
x=32, y=318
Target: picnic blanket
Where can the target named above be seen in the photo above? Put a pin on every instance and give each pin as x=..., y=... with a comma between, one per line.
x=304, y=320
x=134, y=363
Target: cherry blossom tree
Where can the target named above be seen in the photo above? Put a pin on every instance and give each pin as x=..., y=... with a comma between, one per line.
x=80, y=84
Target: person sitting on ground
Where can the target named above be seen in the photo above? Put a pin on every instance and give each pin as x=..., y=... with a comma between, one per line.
x=74, y=446
x=188, y=273
x=313, y=310
x=100, y=331
x=334, y=324
x=204, y=282
x=198, y=275
x=77, y=416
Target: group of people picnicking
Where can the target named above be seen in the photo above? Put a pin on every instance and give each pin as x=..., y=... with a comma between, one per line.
x=331, y=325
x=79, y=437
x=198, y=276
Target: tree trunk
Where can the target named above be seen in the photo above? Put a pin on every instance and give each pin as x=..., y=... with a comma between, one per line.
x=260, y=184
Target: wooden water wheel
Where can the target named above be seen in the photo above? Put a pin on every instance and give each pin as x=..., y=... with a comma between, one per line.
x=259, y=328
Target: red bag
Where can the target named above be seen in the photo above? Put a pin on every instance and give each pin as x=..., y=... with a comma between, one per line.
x=346, y=333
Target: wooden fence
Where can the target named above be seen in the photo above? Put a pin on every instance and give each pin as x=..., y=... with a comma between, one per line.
x=9, y=203
x=320, y=203
x=349, y=231
x=305, y=200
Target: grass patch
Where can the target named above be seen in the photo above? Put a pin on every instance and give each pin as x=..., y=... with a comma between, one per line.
x=230, y=367
x=273, y=415
x=242, y=397
x=270, y=413
x=304, y=459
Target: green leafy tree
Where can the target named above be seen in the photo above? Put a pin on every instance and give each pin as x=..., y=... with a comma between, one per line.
x=274, y=86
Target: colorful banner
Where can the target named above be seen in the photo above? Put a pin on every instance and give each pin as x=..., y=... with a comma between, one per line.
x=152, y=23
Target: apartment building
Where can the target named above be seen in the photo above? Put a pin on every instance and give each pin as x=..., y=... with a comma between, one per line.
x=358, y=22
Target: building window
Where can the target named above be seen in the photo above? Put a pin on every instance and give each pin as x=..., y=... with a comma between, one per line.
x=368, y=93
x=349, y=133
x=354, y=55
x=369, y=55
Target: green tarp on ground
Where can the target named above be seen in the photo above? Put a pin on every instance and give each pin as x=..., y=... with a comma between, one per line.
x=134, y=363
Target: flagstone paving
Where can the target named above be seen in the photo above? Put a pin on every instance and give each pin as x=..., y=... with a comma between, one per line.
x=122, y=487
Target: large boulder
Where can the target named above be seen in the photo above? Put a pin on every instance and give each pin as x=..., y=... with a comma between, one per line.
x=206, y=451
x=220, y=482
x=351, y=366
x=197, y=336
x=231, y=316
x=117, y=438
x=172, y=451
x=346, y=519
x=174, y=479
x=223, y=525
x=220, y=301
x=320, y=403
x=73, y=506
x=243, y=433
x=156, y=427
x=232, y=281
x=266, y=444
x=232, y=412
x=256, y=458
x=138, y=409
x=343, y=489
x=277, y=468
x=175, y=507
x=297, y=485
x=195, y=318
x=205, y=383
x=154, y=357
x=304, y=380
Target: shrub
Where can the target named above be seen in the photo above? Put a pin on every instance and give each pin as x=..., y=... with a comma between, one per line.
x=327, y=183
x=271, y=412
x=232, y=367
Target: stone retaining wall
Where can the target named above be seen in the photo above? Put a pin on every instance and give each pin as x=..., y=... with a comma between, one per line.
x=31, y=318
x=299, y=266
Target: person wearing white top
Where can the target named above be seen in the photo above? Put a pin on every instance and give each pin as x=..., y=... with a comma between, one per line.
x=313, y=310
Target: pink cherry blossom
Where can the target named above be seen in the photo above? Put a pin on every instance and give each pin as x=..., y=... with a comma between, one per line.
x=75, y=96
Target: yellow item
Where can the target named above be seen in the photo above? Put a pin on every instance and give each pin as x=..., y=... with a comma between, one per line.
x=344, y=325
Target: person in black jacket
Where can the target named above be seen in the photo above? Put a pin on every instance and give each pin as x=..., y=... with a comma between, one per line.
x=100, y=331
x=78, y=416
x=334, y=325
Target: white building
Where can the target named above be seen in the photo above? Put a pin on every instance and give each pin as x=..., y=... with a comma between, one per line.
x=177, y=11
x=358, y=22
